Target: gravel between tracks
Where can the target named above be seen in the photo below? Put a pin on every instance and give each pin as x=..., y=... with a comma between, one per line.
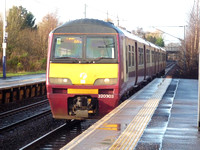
x=17, y=104
x=25, y=134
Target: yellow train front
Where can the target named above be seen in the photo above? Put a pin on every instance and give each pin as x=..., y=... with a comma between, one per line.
x=83, y=69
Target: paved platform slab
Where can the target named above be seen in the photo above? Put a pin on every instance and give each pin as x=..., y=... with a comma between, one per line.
x=174, y=123
x=182, y=132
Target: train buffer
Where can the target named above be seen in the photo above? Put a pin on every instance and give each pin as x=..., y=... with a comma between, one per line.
x=22, y=87
x=163, y=115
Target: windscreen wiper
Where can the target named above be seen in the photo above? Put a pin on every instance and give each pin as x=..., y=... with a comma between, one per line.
x=73, y=58
x=107, y=45
x=97, y=59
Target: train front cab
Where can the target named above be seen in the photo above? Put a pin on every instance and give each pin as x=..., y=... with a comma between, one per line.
x=86, y=86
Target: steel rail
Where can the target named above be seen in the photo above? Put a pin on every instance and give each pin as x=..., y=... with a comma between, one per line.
x=47, y=112
x=8, y=113
x=44, y=139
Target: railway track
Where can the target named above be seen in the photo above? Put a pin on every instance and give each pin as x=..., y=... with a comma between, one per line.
x=16, y=117
x=169, y=69
x=60, y=136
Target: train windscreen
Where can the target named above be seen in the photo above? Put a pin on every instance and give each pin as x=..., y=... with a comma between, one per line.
x=68, y=47
x=100, y=47
x=84, y=49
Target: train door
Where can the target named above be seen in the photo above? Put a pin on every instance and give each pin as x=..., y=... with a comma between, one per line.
x=125, y=53
x=154, y=62
x=136, y=63
x=145, y=66
x=158, y=62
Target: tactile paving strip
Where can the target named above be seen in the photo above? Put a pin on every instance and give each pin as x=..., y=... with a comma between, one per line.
x=129, y=138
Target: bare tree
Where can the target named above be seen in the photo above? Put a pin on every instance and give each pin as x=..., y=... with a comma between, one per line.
x=49, y=22
x=188, y=62
x=139, y=32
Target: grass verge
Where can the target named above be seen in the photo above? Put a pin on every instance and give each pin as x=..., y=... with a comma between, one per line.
x=11, y=74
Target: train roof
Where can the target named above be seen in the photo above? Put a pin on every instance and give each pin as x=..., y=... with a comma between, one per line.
x=134, y=37
x=98, y=26
x=87, y=26
x=141, y=40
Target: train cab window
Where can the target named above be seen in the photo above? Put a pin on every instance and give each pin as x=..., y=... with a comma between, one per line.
x=100, y=47
x=68, y=46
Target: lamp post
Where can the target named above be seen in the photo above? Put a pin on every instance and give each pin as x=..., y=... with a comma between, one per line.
x=4, y=44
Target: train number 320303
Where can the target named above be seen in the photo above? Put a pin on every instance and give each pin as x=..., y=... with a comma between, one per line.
x=105, y=96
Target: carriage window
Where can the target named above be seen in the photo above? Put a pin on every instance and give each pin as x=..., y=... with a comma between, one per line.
x=141, y=56
x=152, y=56
x=133, y=55
x=97, y=47
x=148, y=56
x=129, y=55
x=69, y=46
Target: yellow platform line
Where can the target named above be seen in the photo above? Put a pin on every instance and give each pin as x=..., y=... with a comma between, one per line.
x=136, y=126
x=94, y=127
x=131, y=135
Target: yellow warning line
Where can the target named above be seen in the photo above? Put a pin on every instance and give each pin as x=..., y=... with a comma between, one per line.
x=131, y=135
x=106, y=126
x=114, y=129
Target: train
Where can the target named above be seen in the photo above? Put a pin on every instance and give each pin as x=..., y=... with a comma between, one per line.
x=93, y=65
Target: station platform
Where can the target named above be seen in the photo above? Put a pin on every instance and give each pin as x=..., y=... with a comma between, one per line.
x=22, y=87
x=163, y=115
x=17, y=81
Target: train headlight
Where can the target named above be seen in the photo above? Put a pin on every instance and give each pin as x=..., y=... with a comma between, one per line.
x=106, y=81
x=63, y=81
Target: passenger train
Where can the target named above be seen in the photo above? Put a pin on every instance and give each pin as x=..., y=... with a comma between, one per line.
x=93, y=65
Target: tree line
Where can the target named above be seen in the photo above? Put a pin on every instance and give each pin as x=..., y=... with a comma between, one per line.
x=27, y=42
x=153, y=37
x=189, y=51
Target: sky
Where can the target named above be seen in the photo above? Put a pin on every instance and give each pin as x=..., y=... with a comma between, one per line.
x=166, y=15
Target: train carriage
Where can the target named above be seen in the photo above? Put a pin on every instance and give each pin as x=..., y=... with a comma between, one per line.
x=92, y=65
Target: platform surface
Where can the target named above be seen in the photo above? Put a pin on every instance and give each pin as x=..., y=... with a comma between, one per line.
x=163, y=115
x=181, y=132
x=21, y=80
